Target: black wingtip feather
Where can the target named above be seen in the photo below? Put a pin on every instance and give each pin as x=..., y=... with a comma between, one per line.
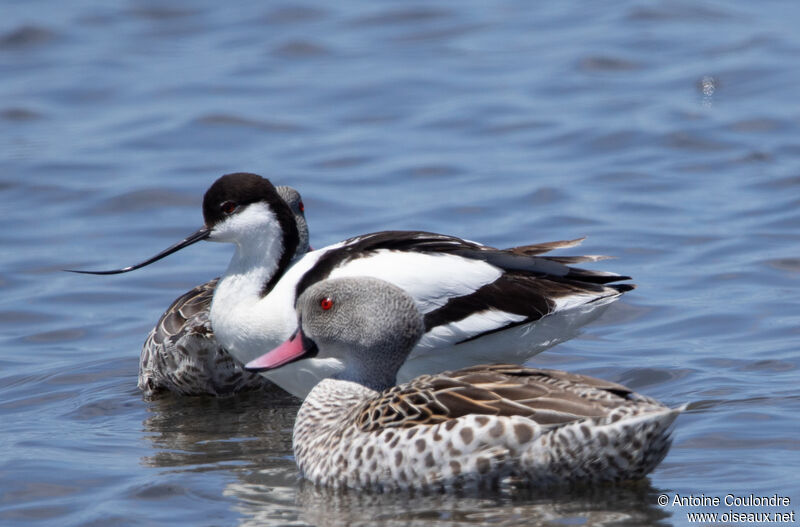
x=623, y=288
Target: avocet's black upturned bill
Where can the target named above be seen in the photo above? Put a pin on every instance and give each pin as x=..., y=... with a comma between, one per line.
x=227, y=199
x=181, y=353
x=493, y=425
x=514, y=302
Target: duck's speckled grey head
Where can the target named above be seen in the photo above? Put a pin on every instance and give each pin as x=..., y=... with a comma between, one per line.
x=368, y=324
x=361, y=329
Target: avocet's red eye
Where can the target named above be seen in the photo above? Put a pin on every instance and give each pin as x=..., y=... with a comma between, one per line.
x=326, y=303
x=228, y=207
x=302, y=207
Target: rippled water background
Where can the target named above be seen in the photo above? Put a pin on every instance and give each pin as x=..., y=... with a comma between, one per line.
x=666, y=132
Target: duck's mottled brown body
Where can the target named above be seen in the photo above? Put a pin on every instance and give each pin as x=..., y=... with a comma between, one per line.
x=486, y=426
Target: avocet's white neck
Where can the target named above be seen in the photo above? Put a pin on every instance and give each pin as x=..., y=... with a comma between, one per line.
x=254, y=263
x=258, y=237
x=235, y=311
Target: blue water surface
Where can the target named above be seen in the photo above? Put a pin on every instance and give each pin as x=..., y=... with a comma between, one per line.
x=665, y=132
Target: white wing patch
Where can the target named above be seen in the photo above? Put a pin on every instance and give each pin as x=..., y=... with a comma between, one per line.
x=566, y=303
x=475, y=324
x=430, y=279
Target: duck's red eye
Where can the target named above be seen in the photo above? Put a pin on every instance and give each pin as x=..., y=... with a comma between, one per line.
x=228, y=207
x=302, y=207
x=326, y=303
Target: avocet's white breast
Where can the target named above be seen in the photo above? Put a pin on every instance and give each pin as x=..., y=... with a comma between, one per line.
x=248, y=324
x=235, y=319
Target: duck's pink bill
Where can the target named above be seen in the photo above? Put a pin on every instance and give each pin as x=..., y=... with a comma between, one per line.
x=286, y=352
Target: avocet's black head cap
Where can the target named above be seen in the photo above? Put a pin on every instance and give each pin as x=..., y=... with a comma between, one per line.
x=232, y=192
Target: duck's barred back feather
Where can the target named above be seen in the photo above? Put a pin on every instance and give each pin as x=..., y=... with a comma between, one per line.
x=181, y=354
x=548, y=397
x=194, y=302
